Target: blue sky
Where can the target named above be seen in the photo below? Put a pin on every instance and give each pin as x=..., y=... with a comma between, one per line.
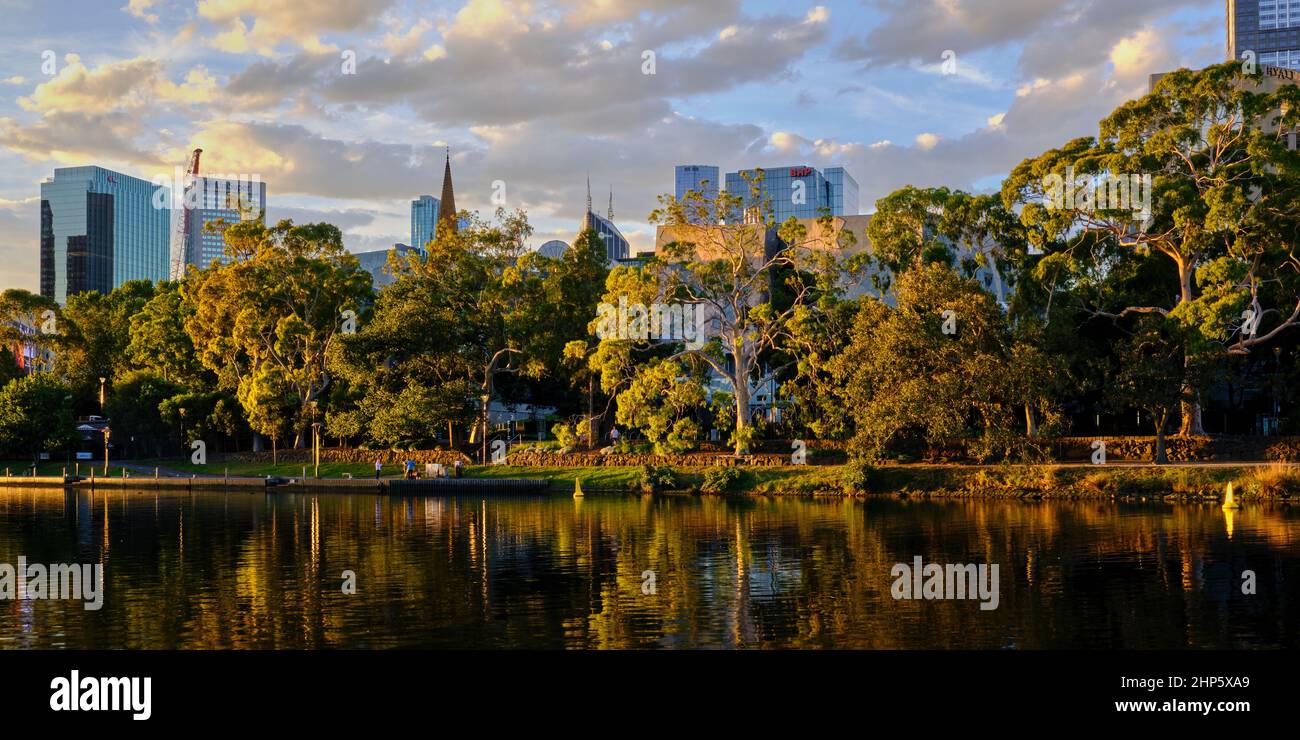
x=540, y=93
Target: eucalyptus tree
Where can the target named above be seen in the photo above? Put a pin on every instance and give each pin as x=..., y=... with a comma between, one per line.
x=1196, y=174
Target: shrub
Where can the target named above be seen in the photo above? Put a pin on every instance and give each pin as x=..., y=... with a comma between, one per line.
x=657, y=478
x=857, y=477
x=565, y=435
x=720, y=479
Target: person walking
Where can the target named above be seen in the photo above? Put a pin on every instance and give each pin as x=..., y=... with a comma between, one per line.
x=379, y=467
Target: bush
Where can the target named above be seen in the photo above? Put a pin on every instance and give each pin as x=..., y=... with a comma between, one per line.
x=565, y=435
x=657, y=478
x=857, y=477
x=720, y=479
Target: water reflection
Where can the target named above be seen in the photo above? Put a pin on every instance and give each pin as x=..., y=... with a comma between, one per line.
x=251, y=570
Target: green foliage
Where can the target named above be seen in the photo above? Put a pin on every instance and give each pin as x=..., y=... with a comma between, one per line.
x=657, y=478
x=35, y=415
x=720, y=479
x=565, y=435
x=858, y=477
x=658, y=401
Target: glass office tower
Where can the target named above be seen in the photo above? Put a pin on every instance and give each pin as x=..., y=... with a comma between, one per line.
x=220, y=202
x=1268, y=28
x=101, y=228
x=799, y=191
x=424, y=220
x=697, y=177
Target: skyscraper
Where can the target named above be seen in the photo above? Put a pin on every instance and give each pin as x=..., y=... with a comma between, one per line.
x=219, y=202
x=799, y=191
x=424, y=220
x=447, y=205
x=701, y=177
x=1270, y=29
x=101, y=228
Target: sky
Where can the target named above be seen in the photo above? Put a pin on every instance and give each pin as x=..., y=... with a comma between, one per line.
x=542, y=94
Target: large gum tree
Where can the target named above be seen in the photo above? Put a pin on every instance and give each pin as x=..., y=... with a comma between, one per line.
x=1222, y=208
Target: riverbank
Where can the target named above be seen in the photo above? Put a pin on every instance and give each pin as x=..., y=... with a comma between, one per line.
x=1187, y=481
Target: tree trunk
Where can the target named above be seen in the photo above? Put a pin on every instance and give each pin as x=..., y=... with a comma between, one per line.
x=591, y=411
x=1190, y=424
x=1031, y=424
x=740, y=383
x=1161, y=457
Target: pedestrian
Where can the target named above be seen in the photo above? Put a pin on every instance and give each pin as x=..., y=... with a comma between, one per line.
x=410, y=468
x=613, y=436
x=458, y=466
x=379, y=467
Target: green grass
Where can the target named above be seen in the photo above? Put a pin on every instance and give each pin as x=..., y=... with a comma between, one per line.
x=285, y=469
x=1009, y=480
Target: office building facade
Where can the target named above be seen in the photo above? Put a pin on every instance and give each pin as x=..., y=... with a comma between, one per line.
x=424, y=220
x=697, y=177
x=376, y=262
x=797, y=191
x=216, y=203
x=101, y=228
x=1270, y=29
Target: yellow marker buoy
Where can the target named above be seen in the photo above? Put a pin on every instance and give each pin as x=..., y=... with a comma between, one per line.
x=577, y=488
x=1229, y=500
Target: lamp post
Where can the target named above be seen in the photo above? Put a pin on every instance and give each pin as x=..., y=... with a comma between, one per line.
x=107, y=432
x=101, y=395
x=183, y=445
x=485, y=398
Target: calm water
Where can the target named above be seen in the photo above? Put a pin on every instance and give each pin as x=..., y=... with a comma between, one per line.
x=250, y=570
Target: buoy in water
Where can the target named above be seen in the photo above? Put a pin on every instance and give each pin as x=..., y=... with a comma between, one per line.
x=577, y=488
x=1229, y=500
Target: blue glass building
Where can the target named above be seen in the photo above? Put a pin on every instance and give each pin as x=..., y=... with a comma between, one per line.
x=101, y=228
x=699, y=177
x=799, y=191
x=218, y=202
x=424, y=220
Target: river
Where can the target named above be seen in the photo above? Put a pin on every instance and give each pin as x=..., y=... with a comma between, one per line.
x=293, y=570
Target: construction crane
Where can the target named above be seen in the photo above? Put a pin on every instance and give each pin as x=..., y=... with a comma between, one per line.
x=181, y=238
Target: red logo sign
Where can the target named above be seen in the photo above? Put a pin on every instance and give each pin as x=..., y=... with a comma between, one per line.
x=800, y=171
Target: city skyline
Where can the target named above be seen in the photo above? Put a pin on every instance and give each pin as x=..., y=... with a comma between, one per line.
x=535, y=100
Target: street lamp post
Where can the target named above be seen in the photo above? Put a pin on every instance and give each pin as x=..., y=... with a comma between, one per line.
x=485, y=398
x=107, y=431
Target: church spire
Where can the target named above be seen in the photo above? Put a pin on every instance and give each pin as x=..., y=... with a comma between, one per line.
x=611, y=202
x=447, y=206
x=589, y=192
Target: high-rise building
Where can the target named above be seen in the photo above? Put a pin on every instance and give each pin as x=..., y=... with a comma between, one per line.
x=697, y=177
x=799, y=191
x=424, y=220
x=1269, y=29
x=99, y=229
x=217, y=203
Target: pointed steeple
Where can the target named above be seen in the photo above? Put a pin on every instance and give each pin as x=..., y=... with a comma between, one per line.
x=588, y=192
x=611, y=203
x=447, y=206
